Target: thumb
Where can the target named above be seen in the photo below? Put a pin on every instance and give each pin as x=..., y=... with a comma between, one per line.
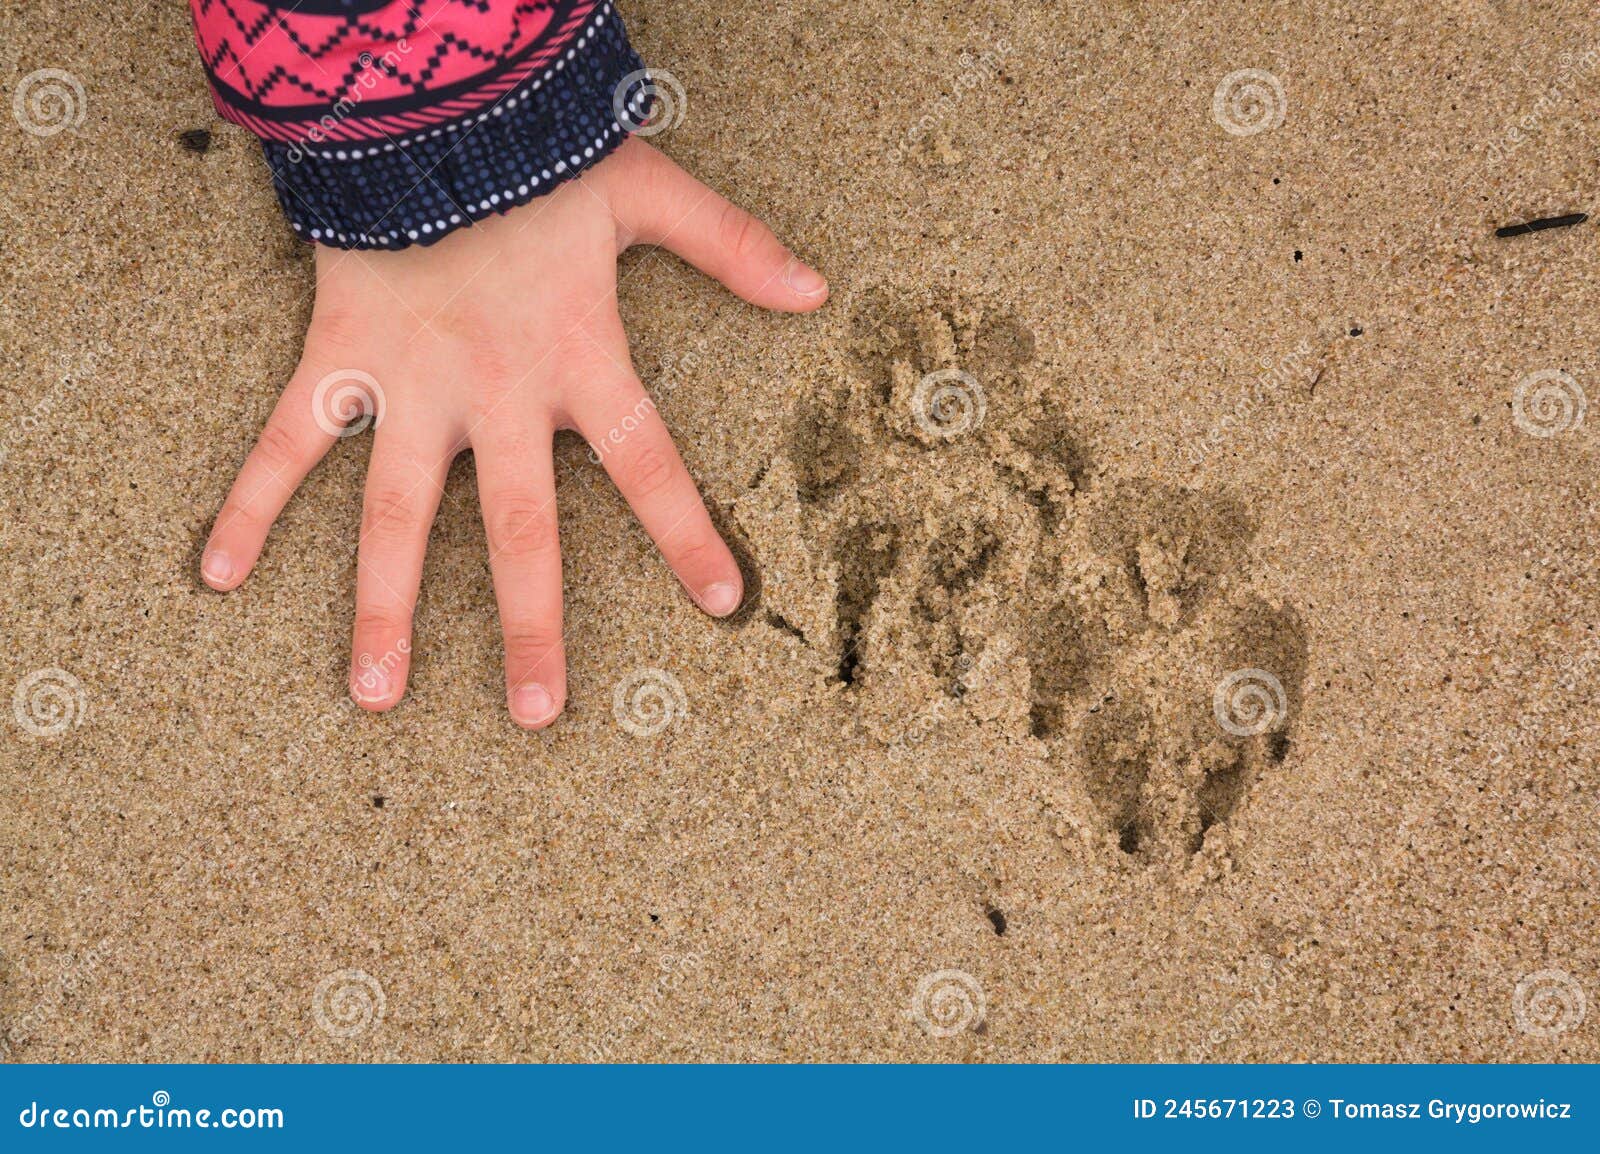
x=661, y=204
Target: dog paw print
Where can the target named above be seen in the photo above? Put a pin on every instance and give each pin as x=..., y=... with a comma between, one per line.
x=935, y=538
x=1161, y=675
x=899, y=519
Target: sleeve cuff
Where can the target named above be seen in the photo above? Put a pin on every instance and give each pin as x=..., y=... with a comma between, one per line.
x=419, y=189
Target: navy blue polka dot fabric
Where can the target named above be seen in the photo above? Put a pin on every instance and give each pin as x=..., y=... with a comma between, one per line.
x=388, y=194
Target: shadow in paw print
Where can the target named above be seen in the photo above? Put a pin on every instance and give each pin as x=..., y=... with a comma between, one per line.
x=958, y=562
x=954, y=565
x=1066, y=656
x=1220, y=794
x=1175, y=546
x=866, y=554
x=1261, y=668
x=825, y=454
x=1257, y=636
x=1116, y=754
x=1060, y=467
x=896, y=345
x=1051, y=440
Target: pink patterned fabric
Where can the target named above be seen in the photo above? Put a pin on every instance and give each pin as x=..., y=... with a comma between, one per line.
x=355, y=70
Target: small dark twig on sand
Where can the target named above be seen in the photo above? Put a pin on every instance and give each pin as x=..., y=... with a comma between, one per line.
x=1542, y=223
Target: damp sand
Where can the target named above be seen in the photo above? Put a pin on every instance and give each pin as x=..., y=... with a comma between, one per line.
x=1176, y=621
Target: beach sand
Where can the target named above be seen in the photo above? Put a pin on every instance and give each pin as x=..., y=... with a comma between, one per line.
x=1176, y=546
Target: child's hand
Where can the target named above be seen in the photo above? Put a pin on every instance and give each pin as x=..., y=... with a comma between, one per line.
x=494, y=339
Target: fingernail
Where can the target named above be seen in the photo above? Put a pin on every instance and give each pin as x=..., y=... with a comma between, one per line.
x=217, y=568
x=803, y=279
x=370, y=683
x=532, y=705
x=720, y=599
